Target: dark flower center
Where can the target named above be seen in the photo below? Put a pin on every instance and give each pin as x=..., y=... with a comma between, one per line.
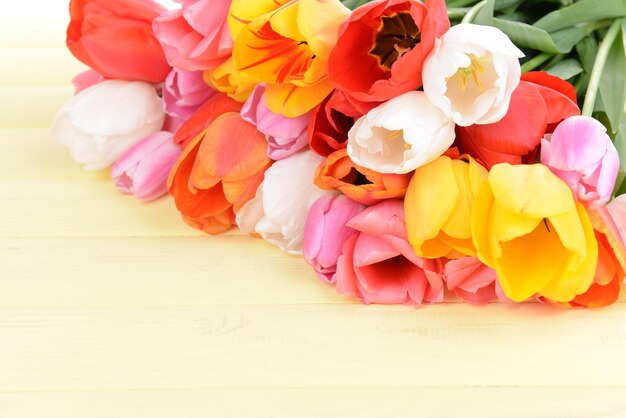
x=397, y=35
x=356, y=178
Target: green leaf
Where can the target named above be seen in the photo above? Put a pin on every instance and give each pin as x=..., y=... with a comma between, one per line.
x=481, y=13
x=526, y=36
x=354, y=4
x=620, y=144
x=566, y=69
x=581, y=12
x=613, y=82
x=567, y=39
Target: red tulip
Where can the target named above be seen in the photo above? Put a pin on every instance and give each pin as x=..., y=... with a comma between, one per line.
x=115, y=38
x=538, y=104
x=382, y=47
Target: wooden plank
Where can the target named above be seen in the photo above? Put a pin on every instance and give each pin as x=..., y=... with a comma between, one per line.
x=309, y=346
x=83, y=208
x=34, y=24
x=588, y=402
x=38, y=66
x=154, y=271
x=33, y=154
x=31, y=106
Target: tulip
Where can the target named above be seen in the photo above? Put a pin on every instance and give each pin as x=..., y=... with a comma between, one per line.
x=285, y=136
x=330, y=123
x=438, y=207
x=195, y=37
x=539, y=103
x=382, y=46
x=365, y=186
x=218, y=173
x=279, y=210
x=144, y=168
x=184, y=92
x=379, y=266
x=115, y=38
x=617, y=211
x=527, y=226
x=581, y=154
x=197, y=123
x=326, y=232
x=610, y=274
x=102, y=122
x=472, y=73
x=288, y=49
x=472, y=281
x=400, y=135
x=86, y=79
x=228, y=80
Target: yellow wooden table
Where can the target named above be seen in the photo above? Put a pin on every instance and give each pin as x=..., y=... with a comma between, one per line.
x=114, y=308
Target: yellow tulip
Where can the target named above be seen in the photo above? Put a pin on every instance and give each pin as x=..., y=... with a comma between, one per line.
x=288, y=49
x=226, y=79
x=527, y=226
x=438, y=207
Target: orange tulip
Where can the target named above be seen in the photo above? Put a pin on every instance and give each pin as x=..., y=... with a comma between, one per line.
x=288, y=49
x=360, y=184
x=217, y=105
x=218, y=172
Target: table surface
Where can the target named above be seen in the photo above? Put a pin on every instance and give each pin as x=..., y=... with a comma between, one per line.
x=110, y=307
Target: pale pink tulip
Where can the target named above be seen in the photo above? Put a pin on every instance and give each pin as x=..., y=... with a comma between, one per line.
x=195, y=37
x=183, y=94
x=326, y=232
x=473, y=281
x=86, y=79
x=143, y=169
x=378, y=265
x=581, y=153
x=285, y=136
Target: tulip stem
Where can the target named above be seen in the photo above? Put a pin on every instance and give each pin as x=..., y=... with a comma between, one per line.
x=457, y=13
x=473, y=12
x=535, y=62
x=598, y=68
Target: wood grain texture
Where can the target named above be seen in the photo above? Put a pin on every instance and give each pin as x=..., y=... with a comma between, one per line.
x=110, y=307
x=126, y=348
x=423, y=402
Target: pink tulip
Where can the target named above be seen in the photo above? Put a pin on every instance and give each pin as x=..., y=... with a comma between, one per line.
x=285, y=136
x=378, y=265
x=581, y=153
x=473, y=281
x=183, y=94
x=144, y=168
x=326, y=232
x=195, y=37
x=86, y=79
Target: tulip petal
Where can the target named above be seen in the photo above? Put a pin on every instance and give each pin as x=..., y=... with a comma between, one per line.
x=580, y=271
x=536, y=193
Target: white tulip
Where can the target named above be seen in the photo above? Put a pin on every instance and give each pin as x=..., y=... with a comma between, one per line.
x=102, y=122
x=279, y=210
x=400, y=135
x=471, y=74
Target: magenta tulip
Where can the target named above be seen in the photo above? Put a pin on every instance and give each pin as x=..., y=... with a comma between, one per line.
x=326, y=232
x=184, y=93
x=581, y=153
x=144, y=168
x=378, y=265
x=285, y=136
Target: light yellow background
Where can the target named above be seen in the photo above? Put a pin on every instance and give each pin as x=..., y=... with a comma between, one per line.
x=114, y=308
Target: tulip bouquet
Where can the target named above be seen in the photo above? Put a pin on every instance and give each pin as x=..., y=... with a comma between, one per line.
x=409, y=150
